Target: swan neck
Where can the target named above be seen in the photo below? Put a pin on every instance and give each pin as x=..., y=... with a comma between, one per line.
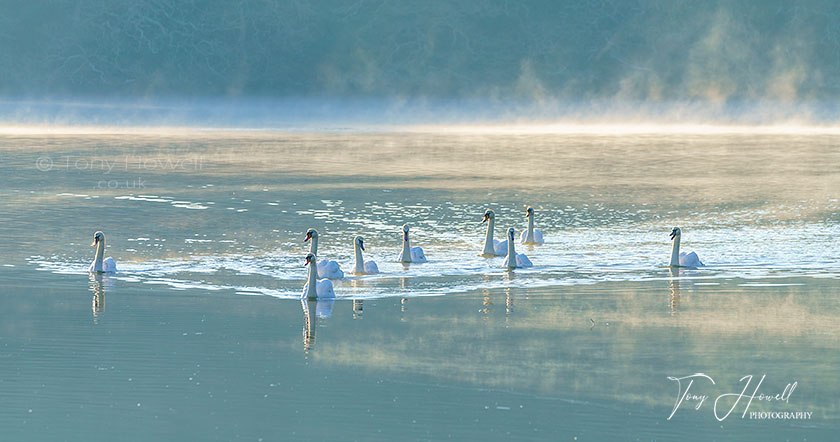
x=530, y=236
x=313, y=245
x=312, y=288
x=488, y=239
x=359, y=267
x=100, y=255
x=675, y=252
x=406, y=251
x=511, y=249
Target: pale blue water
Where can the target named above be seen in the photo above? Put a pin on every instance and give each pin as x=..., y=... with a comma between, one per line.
x=201, y=334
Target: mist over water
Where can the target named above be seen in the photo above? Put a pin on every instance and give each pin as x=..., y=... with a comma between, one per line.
x=266, y=63
x=205, y=137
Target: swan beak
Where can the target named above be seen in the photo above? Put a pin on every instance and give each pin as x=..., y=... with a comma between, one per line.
x=673, y=235
x=307, y=262
x=95, y=242
x=308, y=237
x=405, y=238
x=485, y=219
x=362, y=245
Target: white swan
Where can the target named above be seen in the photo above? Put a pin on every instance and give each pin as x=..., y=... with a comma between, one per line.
x=519, y=259
x=410, y=254
x=682, y=259
x=532, y=235
x=362, y=267
x=327, y=269
x=106, y=265
x=315, y=289
x=492, y=247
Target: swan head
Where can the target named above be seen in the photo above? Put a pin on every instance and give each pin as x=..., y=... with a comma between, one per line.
x=488, y=215
x=310, y=258
x=510, y=233
x=311, y=233
x=405, y=232
x=529, y=212
x=97, y=236
x=675, y=233
x=360, y=241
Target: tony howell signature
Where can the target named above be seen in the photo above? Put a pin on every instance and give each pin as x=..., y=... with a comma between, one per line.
x=685, y=394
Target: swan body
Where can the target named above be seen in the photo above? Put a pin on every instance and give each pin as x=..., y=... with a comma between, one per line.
x=682, y=259
x=361, y=266
x=100, y=264
x=314, y=288
x=410, y=254
x=330, y=269
x=492, y=247
x=513, y=259
x=531, y=235
x=326, y=268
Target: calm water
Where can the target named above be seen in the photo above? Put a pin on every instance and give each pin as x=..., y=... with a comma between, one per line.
x=201, y=335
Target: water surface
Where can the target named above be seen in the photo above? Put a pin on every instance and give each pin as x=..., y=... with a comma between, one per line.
x=201, y=334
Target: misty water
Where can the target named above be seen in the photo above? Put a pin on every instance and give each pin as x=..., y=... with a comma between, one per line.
x=202, y=333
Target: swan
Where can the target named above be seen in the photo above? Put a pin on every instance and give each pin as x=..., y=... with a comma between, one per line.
x=327, y=269
x=410, y=254
x=362, y=267
x=492, y=247
x=107, y=265
x=532, y=235
x=519, y=259
x=682, y=259
x=315, y=289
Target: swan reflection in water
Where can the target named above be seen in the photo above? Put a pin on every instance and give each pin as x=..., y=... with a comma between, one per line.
x=313, y=310
x=99, y=284
x=358, y=309
x=674, y=283
x=508, y=306
x=487, y=302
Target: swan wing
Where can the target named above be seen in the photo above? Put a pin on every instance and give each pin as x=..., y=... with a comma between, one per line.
x=371, y=267
x=523, y=236
x=109, y=265
x=690, y=259
x=507, y=261
x=523, y=261
x=417, y=255
x=538, y=236
x=325, y=289
x=330, y=269
x=500, y=247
